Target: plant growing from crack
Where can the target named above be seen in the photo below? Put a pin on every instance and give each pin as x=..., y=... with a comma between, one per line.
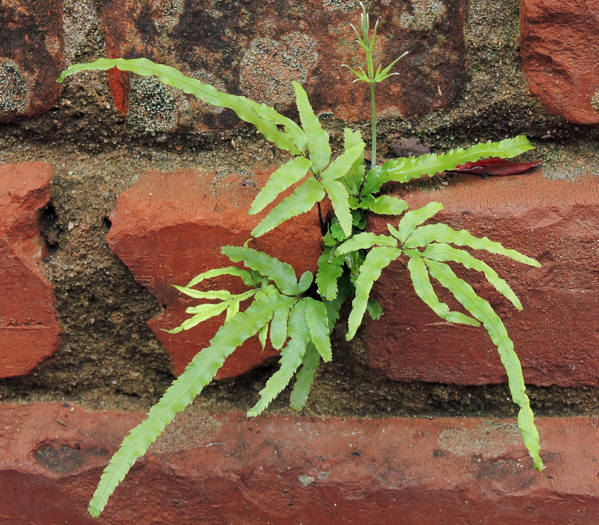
x=296, y=316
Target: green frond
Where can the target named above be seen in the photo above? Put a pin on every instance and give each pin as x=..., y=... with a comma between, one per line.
x=406, y=169
x=353, y=178
x=281, y=273
x=375, y=310
x=283, y=178
x=481, y=310
x=305, y=377
x=263, y=117
x=318, y=138
x=424, y=289
x=278, y=325
x=443, y=253
x=290, y=361
x=302, y=200
x=305, y=282
x=441, y=233
x=364, y=241
x=330, y=268
x=344, y=162
x=202, y=313
x=415, y=218
x=245, y=276
x=384, y=205
x=340, y=199
x=262, y=336
x=316, y=317
x=378, y=258
x=221, y=295
x=200, y=371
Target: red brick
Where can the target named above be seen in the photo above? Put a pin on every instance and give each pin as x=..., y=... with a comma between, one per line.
x=227, y=469
x=29, y=329
x=556, y=335
x=560, y=45
x=170, y=227
x=257, y=49
x=31, y=57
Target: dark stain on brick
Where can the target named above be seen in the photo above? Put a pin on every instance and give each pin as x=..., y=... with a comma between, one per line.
x=63, y=459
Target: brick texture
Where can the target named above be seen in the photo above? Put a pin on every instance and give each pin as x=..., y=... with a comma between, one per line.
x=169, y=227
x=31, y=57
x=560, y=45
x=556, y=335
x=256, y=49
x=29, y=329
x=279, y=470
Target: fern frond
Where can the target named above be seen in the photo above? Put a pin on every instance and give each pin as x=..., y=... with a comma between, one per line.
x=411, y=220
x=245, y=276
x=202, y=313
x=344, y=162
x=300, y=201
x=281, y=273
x=278, y=325
x=353, y=178
x=424, y=289
x=263, y=117
x=318, y=138
x=441, y=233
x=443, y=253
x=377, y=259
x=364, y=241
x=291, y=359
x=337, y=192
x=282, y=179
x=482, y=311
x=374, y=308
x=316, y=318
x=406, y=169
x=305, y=377
x=304, y=282
x=384, y=205
x=200, y=371
x=222, y=295
x=330, y=268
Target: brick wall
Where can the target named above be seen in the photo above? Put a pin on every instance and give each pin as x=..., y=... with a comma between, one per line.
x=113, y=188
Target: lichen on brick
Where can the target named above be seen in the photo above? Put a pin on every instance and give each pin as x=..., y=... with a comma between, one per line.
x=425, y=14
x=269, y=67
x=595, y=101
x=152, y=106
x=14, y=94
x=345, y=6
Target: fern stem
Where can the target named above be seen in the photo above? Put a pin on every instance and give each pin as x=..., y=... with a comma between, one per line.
x=373, y=125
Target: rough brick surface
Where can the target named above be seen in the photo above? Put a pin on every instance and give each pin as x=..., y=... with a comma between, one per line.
x=29, y=330
x=169, y=227
x=256, y=49
x=557, y=333
x=31, y=56
x=281, y=470
x=560, y=45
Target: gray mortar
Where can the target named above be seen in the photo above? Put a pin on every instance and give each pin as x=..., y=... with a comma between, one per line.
x=152, y=105
x=14, y=95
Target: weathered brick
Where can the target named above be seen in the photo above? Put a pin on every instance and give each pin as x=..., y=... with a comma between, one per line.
x=560, y=45
x=256, y=49
x=557, y=333
x=281, y=470
x=169, y=227
x=31, y=57
x=29, y=329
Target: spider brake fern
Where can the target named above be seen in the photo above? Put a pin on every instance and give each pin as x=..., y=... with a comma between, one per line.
x=296, y=314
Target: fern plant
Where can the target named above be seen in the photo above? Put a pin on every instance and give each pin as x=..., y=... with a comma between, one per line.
x=297, y=317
